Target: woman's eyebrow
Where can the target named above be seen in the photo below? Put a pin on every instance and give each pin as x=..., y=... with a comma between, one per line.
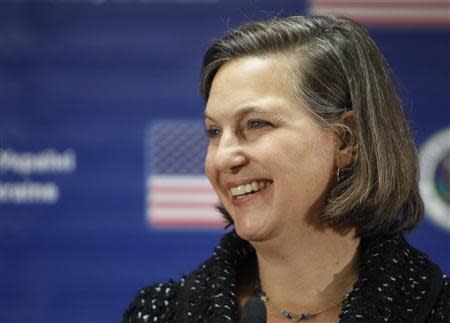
x=206, y=116
x=247, y=110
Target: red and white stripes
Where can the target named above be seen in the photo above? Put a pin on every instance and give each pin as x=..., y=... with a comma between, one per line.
x=176, y=201
x=419, y=13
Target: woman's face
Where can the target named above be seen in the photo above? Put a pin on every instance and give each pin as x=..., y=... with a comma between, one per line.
x=269, y=162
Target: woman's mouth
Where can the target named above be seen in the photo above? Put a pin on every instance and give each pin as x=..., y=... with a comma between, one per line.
x=242, y=191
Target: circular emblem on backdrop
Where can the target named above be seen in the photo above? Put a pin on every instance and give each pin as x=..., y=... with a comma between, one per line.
x=435, y=177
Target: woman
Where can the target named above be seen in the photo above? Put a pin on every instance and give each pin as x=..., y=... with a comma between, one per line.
x=312, y=159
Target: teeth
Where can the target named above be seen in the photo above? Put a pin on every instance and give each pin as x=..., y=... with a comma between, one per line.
x=248, y=188
x=238, y=190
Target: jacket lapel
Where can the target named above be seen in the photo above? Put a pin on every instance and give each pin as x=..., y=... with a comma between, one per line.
x=396, y=284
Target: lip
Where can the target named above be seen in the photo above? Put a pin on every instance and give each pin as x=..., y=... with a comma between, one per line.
x=231, y=184
x=248, y=198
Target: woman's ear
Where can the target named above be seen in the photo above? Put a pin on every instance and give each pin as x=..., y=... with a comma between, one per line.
x=346, y=153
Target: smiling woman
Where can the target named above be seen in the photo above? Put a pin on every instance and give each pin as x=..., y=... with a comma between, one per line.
x=315, y=167
x=263, y=134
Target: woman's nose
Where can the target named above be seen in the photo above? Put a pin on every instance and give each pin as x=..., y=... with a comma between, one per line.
x=230, y=156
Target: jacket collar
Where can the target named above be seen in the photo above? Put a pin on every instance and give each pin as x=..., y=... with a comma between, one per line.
x=396, y=283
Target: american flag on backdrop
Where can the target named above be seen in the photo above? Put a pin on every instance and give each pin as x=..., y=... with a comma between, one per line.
x=408, y=13
x=178, y=192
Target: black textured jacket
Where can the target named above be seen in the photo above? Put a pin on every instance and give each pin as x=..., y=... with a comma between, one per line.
x=396, y=284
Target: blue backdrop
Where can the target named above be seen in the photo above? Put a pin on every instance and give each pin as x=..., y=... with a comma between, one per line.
x=80, y=83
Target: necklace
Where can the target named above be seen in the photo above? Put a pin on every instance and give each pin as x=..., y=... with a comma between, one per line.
x=298, y=317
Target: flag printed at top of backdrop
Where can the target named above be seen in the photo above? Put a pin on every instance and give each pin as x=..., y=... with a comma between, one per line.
x=408, y=13
x=179, y=194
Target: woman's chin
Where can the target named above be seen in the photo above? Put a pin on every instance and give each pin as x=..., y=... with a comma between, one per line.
x=251, y=231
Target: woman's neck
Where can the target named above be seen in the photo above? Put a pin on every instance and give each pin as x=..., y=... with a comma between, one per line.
x=308, y=271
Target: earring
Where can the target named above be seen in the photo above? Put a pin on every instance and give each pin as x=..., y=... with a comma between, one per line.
x=341, y=174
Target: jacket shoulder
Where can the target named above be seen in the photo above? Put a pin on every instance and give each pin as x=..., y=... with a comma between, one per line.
x=154, y=303
x=441, y=309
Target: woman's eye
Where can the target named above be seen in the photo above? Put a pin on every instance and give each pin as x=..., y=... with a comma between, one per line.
x=213, y=132
x=252, y=124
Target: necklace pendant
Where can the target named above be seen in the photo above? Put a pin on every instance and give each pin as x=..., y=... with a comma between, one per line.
x=287, y=315
x=305, y=317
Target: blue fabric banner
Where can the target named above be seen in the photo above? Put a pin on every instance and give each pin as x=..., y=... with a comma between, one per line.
x=83, y=83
